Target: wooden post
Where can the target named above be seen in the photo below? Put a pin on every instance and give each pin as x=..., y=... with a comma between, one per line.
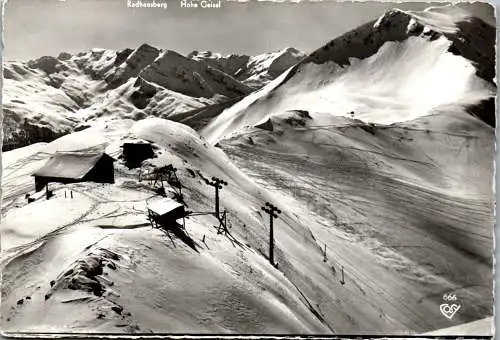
x=271, y=240
x=324, y=254
x=225, y=222
x=217, y=201
x=272, y=211
x=217, y=184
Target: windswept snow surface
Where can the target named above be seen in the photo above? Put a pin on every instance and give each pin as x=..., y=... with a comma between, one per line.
x=371, y=198
x=139, y=279
x=407, y=208
x=396, y=69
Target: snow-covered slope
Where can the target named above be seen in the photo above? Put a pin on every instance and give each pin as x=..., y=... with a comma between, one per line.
x=40, y=100
x=397, y=68
x=106, y=245
x=148, y=282
x=368, y=146
x=48, y=97
x=407, y=209
x=370, y=194
x=254, y=71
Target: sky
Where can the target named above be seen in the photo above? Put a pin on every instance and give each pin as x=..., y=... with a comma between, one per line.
x=34, y=28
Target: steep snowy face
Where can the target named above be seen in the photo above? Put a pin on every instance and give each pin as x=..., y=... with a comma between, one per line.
x=397, y=68
x=254, y=71
x=469, y=37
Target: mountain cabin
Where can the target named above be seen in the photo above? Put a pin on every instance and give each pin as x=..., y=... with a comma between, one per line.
x=76, y=166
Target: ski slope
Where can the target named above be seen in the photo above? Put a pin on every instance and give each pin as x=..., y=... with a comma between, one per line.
x=111, y=272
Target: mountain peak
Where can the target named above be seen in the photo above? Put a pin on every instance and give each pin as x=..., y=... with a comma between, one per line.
x=147, y=48
x=469, y=36
x=397, y=68
x=291, y=50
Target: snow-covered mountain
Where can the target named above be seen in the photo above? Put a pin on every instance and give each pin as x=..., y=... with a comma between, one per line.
x=254, y=71
x=377, y=148
x=48, y=97
x=402, y=66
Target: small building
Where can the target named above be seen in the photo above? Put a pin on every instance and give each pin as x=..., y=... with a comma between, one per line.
x=164, y=212
x=137, y=152
x=76, y=166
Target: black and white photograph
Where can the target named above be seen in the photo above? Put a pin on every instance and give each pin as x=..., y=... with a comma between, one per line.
x=218, y=167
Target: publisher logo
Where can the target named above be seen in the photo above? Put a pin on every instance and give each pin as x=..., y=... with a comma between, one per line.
x=451, y=307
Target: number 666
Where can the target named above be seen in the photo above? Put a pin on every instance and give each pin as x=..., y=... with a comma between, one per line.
x=449, y=297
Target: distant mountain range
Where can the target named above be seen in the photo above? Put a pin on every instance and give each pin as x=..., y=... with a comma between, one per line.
x=51, y=96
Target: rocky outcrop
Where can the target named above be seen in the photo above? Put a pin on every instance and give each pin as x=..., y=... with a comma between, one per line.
x=47, y=64
x=20, y=135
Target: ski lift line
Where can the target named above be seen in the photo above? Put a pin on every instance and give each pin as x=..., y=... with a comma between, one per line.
x=318, y=315
x=380, y=153
x=217, y=184
x=273, y=212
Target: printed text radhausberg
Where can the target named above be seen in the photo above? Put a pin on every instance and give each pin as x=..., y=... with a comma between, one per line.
x=146, y=4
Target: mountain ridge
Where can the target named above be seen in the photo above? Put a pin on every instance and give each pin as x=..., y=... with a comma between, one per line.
x=136, y=83
x=329, y=78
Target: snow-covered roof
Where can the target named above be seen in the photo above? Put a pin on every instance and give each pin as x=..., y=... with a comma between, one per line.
x=135, y=141
x=69, y=164
x=163, y=206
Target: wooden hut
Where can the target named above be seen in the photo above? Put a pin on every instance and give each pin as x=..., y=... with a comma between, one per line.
x=134, y=153
x=72, y=167
x=165, y=212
